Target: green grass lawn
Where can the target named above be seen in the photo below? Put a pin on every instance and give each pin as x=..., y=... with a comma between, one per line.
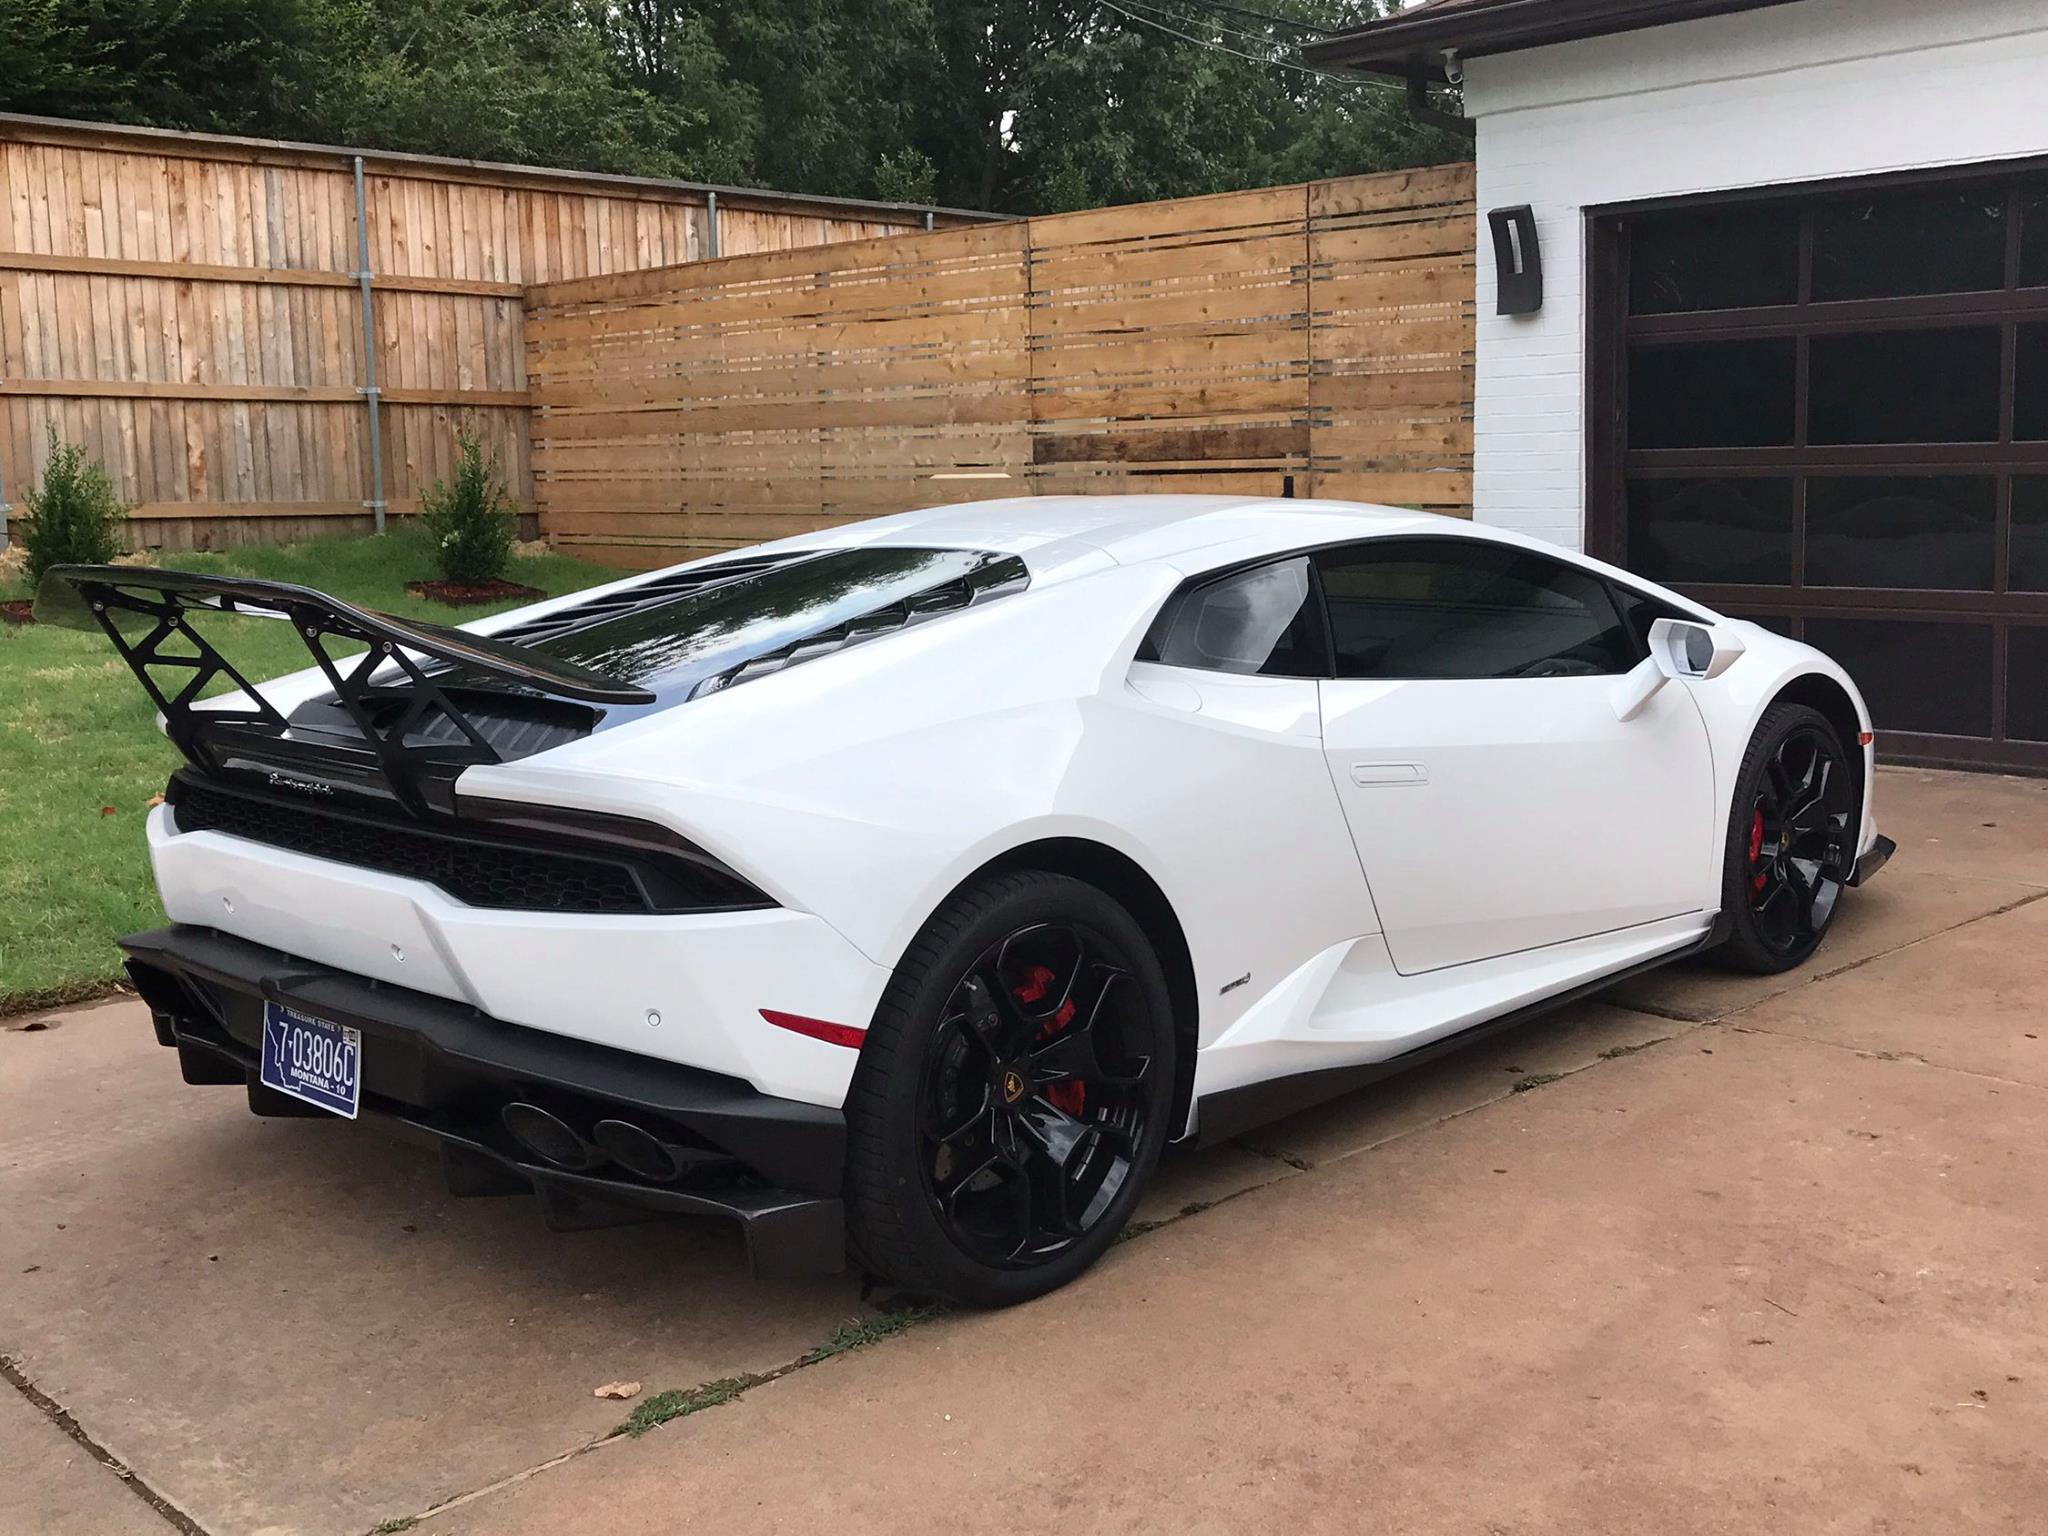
x=80, y=755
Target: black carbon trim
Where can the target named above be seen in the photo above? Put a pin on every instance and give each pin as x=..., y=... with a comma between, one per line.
x=506, y=857
x=1880, y=854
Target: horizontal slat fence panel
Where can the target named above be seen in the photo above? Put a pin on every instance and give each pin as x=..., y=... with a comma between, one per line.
x=803, y=387
x=188, y=308
x=1392, y=262
x=1319, y=336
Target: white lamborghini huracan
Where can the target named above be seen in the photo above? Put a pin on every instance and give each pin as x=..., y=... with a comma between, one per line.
x=917, y=881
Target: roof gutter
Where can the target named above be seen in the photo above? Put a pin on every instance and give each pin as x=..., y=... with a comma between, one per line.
x=1401, y=44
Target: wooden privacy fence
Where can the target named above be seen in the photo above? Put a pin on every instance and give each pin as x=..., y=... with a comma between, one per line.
x=191, y=309
x=1315, y=337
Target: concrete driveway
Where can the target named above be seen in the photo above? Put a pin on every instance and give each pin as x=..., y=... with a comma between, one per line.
x=1710, y=1253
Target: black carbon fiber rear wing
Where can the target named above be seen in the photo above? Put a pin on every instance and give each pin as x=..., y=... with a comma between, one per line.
x=411, y=722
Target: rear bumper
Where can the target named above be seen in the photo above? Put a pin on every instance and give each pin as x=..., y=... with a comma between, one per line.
x=686, y=989
x=1874, y=858
x=443, y=1071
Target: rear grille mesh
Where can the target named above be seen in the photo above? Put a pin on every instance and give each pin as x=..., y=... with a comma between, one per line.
x=474, y=871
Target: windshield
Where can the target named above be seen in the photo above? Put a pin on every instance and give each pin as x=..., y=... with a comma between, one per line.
x=673, y=645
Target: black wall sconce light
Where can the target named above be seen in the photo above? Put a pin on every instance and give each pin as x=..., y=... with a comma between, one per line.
x=1517, y=261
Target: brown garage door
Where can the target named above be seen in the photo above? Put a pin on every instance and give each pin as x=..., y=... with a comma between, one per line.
x=1827, y=409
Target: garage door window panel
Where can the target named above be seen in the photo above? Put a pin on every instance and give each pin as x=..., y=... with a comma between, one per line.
x=1922, y=531
x=1716, y=258
x=1906, y=386
x=2030, y=383
x=1430, y=612
x=1716, y=394
x=1897, y=244
x=2033, y=209
x=1729, y=529
x=2029, y=561
x=2026, y=698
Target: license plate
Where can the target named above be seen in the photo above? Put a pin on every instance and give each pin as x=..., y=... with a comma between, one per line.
x=312, y=1059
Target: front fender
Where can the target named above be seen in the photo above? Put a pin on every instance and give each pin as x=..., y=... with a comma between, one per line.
x=1734, y=704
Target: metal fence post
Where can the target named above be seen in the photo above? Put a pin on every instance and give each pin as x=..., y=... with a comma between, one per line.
x=711, y=222
x=369, y=386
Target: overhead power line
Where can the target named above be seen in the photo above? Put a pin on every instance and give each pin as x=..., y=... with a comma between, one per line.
x=1236, y=53
x=1154, y=9
x=1222, y=7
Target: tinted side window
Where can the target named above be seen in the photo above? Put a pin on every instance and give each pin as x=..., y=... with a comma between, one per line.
x=1449, y=609
x=1262, y=621
x=1638, y=612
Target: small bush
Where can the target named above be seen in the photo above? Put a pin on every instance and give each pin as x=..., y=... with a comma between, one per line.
x=74, y=517
x=468, y=522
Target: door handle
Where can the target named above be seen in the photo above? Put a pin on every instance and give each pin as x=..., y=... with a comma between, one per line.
x=1366, y=775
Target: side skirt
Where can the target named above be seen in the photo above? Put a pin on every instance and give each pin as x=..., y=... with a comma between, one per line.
x=1220, y=1116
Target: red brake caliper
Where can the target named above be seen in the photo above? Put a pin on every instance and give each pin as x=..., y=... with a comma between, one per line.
x=1756, y=851
x=1072, y=1095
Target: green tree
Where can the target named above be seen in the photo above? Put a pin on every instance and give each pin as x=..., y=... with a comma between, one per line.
x=528, y=81
x=467, y=522
x=225, y=66
x=1058, y=104
x=710, y=121
x=50, y=62
x=74, y=517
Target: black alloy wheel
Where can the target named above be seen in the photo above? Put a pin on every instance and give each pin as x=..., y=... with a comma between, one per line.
x=1013, y=1093
x=1034, y=1101
x=1791, y=840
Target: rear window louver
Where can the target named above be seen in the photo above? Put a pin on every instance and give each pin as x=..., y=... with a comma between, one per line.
x=647, y=594
x=996, y=578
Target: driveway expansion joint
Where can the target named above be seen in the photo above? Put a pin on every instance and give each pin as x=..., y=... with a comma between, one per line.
x=676, y=1403
x=1908, y=1058
x=1898, y=949
x=1299, y=1164
x=12, y=1373
x=1650, y=1010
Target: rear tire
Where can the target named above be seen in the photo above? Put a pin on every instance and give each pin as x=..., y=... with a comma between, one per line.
x=1790, y=841
x=1013, y=1093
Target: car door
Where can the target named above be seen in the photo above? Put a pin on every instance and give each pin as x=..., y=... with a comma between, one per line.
x=1496, y=801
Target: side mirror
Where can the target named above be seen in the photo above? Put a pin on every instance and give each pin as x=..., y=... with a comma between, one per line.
x=1682, y=648
x=1679, y=648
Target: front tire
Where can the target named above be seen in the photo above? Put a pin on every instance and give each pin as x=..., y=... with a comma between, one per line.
x=1790, y=841
x=1013, y=1093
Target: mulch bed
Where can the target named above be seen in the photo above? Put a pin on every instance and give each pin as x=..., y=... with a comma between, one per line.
x=18, y=612
x=469, y=595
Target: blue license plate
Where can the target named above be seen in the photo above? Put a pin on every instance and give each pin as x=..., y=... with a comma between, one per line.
x=312, y=1059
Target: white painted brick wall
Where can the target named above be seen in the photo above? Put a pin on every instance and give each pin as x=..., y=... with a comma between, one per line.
x=1802, y=92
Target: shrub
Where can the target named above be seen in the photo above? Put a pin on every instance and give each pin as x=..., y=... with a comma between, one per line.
x=468, y=522
x=74, y=517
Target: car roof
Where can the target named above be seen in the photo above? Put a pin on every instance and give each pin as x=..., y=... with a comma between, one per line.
x=1050, y=530
x=1060, y=537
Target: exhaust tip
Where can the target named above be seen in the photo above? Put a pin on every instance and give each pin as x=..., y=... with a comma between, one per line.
x=637, y=1150
x=547, y=1136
